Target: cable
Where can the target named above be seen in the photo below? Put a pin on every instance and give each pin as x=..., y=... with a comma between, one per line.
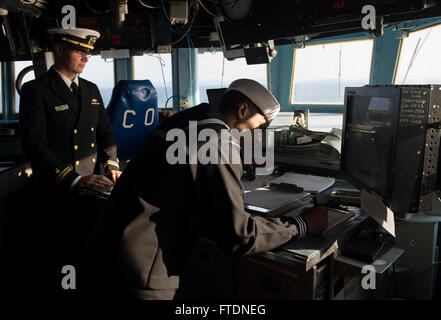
x=147, y=6
x=28, y=38
x=223, y=68
x=190, y=70
x=339, y=70
x=162, y=63
x=174, y=96
x=415, y=54
x=94, y=11
x=187, y=90
x=205, y=8
x=165, y=12
x=188, y=30
x=194, y=13
x=191, y=41
x=185, y=34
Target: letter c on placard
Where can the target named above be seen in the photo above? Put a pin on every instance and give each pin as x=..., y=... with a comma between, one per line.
x=125, y=125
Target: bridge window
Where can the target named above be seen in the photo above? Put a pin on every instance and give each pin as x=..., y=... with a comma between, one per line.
x=419, y=61
x=214, y=71
x=158, y=69
x=18, y=67
x=100, y=72
x=322, y=71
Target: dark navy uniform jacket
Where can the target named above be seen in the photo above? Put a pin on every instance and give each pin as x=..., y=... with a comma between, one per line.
x=158, y=211
x=61, y=136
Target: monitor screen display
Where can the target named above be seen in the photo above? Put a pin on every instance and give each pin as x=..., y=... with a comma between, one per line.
x=379, y=104
x=369, y=142
x=391, y=143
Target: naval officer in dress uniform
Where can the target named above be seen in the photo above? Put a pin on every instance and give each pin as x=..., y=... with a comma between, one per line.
x=66, y=131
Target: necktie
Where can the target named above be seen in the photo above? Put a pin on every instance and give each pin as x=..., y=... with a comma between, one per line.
x=75, y=90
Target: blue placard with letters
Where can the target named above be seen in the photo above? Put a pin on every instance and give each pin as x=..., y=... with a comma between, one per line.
x=133, y=112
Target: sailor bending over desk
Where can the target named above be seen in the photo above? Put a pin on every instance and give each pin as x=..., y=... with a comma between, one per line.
x=159, y=209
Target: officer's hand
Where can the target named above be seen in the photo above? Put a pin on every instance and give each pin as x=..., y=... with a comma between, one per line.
x=316, y=218
x=93, y=181
x=113, y=175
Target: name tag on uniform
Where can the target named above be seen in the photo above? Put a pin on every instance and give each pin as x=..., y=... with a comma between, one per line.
x=62, y=107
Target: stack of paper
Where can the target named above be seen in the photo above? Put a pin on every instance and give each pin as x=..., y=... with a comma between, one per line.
x=309, y=183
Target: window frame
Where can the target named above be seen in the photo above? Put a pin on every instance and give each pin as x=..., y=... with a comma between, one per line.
x=15, y=112
x=218, y=49
x=418, y=29
x=8, y=91
x=324, y=104
x=170, y=95
x=2, y=92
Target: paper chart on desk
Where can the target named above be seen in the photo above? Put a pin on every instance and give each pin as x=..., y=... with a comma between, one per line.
x=309, y=183
x=271, y=199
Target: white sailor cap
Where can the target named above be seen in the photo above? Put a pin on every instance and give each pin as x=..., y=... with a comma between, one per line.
x=259, y=95
x=78, y=38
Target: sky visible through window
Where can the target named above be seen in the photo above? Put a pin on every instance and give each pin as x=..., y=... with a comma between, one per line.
x=97, y=70
x=156, y=68
x=100, y=72
x=18, y=67
x=322, y=71
x=210, y=75
x=419, y=61
x=213, y=72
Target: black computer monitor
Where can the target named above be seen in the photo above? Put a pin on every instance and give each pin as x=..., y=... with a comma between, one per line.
x=390, y=143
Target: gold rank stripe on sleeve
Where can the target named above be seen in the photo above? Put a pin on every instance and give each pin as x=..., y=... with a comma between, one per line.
x=63, y=174
x=111, y=163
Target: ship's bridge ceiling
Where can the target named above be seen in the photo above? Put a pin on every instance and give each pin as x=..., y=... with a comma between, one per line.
x=159, y=25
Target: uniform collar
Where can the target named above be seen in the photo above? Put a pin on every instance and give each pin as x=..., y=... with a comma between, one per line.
x=66, y=80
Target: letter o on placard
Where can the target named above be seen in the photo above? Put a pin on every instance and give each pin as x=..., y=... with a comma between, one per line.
x=146, y=122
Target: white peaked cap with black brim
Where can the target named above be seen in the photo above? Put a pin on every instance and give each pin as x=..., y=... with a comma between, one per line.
x=79, y=38
x=259, y=95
